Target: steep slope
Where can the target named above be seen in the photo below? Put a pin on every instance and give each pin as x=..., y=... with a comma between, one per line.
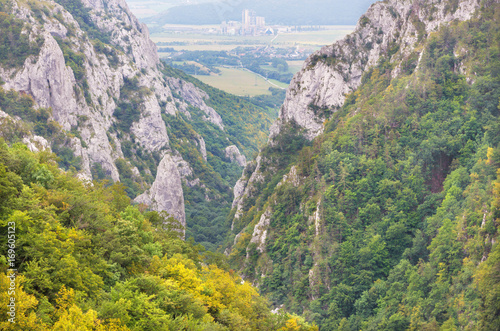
x=371, y=207
x=80, y=257
x=388, y=31
x=93, y=68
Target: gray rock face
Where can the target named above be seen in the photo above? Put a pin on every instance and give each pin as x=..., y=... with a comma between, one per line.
x=260, y=231
x=166, y=191
x=150, y=129
x=329, y=74
x=245, y=187
x=233, y=153
x=238, y=190
x=114, y=16
x=203, y=147
x=89, y=107
x=334, y=71
x=195, y=97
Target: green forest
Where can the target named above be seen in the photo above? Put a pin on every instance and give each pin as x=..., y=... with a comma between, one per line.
x=388, y=220
x=87, y=259
x=246, y=122
x=405, y=183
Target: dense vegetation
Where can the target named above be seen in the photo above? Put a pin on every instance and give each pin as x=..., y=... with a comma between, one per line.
x=247, y=58
x=246, y=123
x=392, y=221
x=15, y=44
x=38, y=122
x=88, y=260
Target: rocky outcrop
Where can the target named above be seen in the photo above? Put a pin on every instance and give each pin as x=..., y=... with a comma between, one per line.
x=114, y=17
x=150, y=130
x=233, y=153
x=292, y=177
x=331, y=73
x=238, y=190
x=166, y=191
x=203, y=147
x=260, y=231
x=87, y=100
x=191, y=95
x=245, y=187
x=13, y=127
x=36, y=143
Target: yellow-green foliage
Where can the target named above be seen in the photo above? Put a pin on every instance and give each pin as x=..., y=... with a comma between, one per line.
x=88, y=260
x=392, y=220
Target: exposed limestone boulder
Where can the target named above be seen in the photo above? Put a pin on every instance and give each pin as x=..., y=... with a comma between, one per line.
x=233, y=153
x=195, y=97
x=238, y=190
x=203, y=147
x=166, y=192
x=260, y=231
x=246, y=187
x=292, y=177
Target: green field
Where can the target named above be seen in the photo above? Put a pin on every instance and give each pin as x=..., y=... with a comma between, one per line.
x=235, y=80
x=295, y=66
x=239, y=82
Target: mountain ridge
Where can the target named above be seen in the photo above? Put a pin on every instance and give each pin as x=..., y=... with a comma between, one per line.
x=359, y=199
x=94, y=67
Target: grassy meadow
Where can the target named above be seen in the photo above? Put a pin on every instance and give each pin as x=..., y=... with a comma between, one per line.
x=239, y=82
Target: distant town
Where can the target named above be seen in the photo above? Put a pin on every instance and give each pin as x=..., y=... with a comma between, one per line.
x=250, y=25
x=253, y=25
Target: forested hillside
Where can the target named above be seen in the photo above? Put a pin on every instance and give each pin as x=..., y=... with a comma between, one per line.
x=86, y=259
x=374, y=205
x=111, y=110
x=388, y=220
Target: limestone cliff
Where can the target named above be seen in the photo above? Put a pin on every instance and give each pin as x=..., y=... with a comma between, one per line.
x=164, y=193
x=388, y=29
x=391, y=31
x=99, y=73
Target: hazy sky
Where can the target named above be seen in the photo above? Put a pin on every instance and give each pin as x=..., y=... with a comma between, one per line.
x=300, y=12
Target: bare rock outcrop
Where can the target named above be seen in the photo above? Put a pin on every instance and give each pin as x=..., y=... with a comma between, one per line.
x=329, y=74
x=166, y=191
x=191, y=95
x=233, y=153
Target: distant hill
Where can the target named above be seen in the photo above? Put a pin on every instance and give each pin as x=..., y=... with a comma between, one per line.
x=294, y=12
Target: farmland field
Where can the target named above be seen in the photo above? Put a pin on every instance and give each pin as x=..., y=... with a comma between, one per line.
x=294, y=66
x=239, y=82
x=236, y=80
